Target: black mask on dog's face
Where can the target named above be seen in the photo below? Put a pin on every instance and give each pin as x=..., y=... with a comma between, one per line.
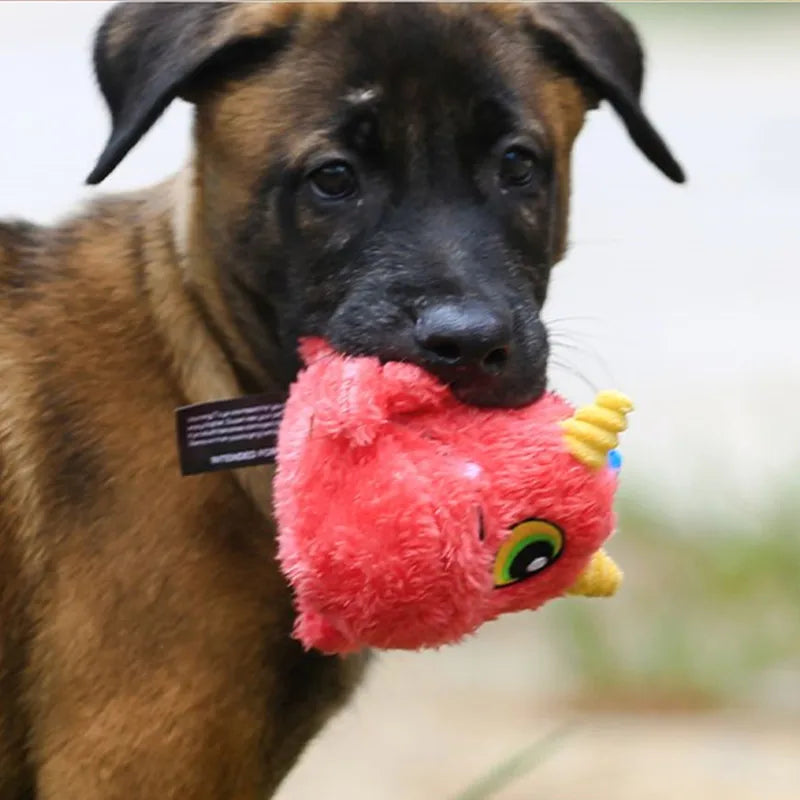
x=393, y=178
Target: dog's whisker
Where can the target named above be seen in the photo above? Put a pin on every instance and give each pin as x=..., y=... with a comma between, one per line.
x=557, y=320
x=573, y=328
x=575, y=345
x=576, y=243
x=575, y=373
x=571, y=333
x=585, y=349
x=567, y=345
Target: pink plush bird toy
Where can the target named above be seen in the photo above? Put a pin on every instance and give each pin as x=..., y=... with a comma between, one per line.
x=407, y=519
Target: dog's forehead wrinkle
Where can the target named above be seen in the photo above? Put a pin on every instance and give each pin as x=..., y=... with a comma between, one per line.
x=399, y=44
x=362, y=96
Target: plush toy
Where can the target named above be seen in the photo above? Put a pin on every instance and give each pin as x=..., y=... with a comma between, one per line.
x=407, y=519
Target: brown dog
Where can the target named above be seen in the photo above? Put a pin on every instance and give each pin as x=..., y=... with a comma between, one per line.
x=392, y=177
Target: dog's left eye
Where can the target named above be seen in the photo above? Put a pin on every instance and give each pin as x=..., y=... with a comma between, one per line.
x=517, y=166
x=334, y=180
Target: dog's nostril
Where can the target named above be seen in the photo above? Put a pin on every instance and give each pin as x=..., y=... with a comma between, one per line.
x=447, y=351
x=495, y=360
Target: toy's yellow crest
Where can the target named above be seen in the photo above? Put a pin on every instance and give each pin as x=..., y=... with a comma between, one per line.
x=590, y=434
x=592, y=431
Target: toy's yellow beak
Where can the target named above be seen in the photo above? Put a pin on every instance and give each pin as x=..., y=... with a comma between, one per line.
x=600, y=578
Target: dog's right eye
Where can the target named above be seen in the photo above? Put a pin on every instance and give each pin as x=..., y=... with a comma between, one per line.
x=517, y=166
x=334, y=180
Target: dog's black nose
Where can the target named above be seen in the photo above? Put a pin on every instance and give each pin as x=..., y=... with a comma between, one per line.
x=468, y=336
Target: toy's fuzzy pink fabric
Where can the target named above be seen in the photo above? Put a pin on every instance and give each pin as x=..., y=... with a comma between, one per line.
x=393, y=498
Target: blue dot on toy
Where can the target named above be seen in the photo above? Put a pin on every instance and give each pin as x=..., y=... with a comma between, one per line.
x=615, y=460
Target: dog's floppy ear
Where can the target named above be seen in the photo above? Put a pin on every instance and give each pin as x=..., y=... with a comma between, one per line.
x=146, y=54
x=601, y=48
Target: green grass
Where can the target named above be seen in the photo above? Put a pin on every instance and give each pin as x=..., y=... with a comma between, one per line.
x=521, y=763
x=703, y=615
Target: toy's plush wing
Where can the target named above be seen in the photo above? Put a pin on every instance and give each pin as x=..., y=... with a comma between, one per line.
x=343, y=398
x=355, y=396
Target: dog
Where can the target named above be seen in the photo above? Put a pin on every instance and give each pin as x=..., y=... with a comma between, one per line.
x=391, y=177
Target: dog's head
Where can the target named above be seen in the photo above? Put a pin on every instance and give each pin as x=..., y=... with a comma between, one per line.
x=391, y=177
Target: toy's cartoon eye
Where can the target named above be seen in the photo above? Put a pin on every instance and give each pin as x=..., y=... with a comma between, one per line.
x=532, y=546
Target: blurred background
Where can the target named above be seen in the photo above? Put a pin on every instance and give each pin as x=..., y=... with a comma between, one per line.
x=688, y=682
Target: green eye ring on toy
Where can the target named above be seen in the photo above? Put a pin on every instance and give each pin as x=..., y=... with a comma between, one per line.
x=532, y=546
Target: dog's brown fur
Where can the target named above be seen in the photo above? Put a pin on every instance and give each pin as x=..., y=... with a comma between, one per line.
x=144, y=626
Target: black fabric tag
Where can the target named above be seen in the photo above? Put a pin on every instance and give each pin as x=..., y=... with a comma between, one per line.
x=228, y=434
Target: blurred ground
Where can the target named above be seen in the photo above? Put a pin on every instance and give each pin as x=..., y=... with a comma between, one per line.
x=410, y=737
x=687, y=685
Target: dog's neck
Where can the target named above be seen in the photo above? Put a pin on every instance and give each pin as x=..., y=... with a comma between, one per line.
x=206, y=352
